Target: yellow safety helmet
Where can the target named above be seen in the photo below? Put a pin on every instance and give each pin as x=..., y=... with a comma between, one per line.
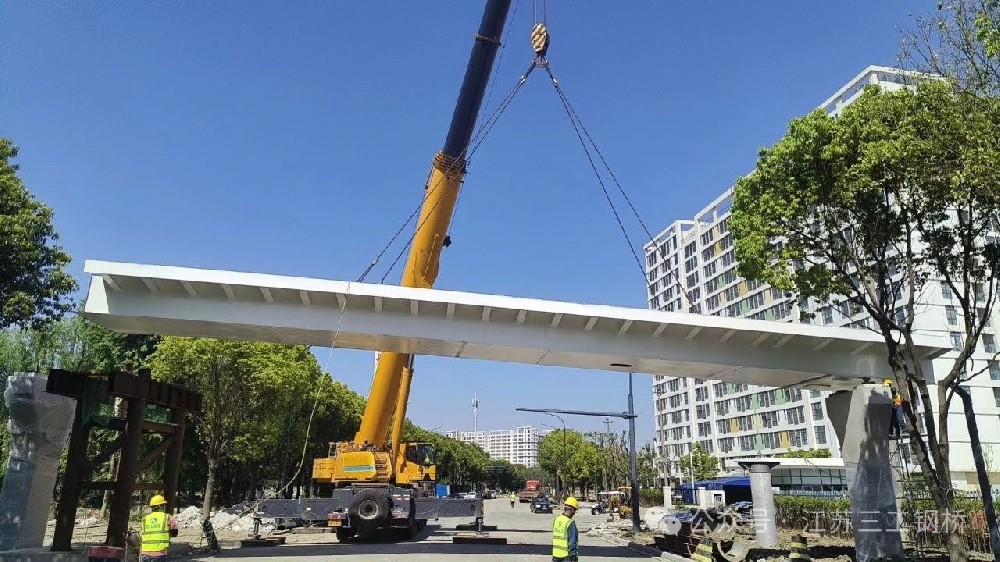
x=571, y=501
x=887, y=382
x=157, y=500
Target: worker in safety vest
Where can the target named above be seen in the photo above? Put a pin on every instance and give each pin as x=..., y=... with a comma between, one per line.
x=513, y=498
x=156, y=531
x=896, y=423
x=565, y=538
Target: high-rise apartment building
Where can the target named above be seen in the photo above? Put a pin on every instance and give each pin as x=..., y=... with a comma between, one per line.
x=691, y=267
x=518, y=445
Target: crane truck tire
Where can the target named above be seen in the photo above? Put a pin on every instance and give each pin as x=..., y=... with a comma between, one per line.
x=369, y=511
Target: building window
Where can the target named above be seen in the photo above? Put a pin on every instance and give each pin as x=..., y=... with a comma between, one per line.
x=952, y=315
x=956, y=341
x=996, y=396
x=946, y=293
x=820, y=435
x=995, y=370
x=989, y=343
x=827, y=315
x=817, y=409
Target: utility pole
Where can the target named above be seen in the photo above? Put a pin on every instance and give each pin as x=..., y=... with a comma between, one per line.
x=631, y=460
x=475, y=413
x=604, y=451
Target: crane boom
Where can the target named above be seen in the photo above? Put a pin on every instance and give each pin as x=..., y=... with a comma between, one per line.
x=440, y=195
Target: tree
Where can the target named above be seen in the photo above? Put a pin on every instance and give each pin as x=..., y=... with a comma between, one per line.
x=242, y=385
x=706, y=466
x=646, y=465
x=893, y=198
x=34, y=286
x=569, y=455
x=959, y=41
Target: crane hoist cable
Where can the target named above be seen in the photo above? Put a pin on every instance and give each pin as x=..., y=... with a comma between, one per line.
x=485, y=126
x=499, y=64
x=477, y=140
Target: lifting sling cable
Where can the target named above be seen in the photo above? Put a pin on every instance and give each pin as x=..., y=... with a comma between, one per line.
x=582, y=133
x=540, y=44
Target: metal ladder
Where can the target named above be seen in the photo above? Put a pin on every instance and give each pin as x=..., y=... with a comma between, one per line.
x=906, y=500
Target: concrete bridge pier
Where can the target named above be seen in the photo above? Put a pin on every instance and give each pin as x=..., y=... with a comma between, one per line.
x=861, y=419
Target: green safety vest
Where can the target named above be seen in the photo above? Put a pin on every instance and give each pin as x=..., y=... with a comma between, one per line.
x=560, y=537
x=155, y=532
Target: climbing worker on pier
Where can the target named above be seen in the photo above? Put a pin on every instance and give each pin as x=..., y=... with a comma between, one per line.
x=565, y=538
x=156, y=529
x=896, y=423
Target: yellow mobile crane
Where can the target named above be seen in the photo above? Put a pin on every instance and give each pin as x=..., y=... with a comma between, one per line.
x=376, y=481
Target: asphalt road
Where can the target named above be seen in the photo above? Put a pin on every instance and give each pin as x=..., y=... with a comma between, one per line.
x=528, y=539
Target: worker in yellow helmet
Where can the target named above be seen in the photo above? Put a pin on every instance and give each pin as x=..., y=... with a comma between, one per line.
x=897, y=423
x=565, y=538
x=156, y=531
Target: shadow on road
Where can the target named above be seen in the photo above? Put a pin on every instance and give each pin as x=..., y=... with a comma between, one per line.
x=374, y=548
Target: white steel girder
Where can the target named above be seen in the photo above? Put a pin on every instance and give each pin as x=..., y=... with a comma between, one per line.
x=166, y=300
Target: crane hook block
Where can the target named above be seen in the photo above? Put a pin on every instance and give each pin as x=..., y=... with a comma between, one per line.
x=540, y=39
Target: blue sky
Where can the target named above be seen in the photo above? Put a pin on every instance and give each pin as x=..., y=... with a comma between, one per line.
x=295, y=137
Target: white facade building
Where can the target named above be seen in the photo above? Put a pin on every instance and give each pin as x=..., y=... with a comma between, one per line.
x=691, y=267
x=518, y=445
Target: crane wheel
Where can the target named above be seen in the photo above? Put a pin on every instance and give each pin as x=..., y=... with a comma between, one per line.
x=370, y=510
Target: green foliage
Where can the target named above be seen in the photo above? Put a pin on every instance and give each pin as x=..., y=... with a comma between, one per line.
x=706, y=465
x=836, y=193
x=987, y=24
x=458, y=463
x=809, y=512
x=649, y=497
x=806, y=454
x=568, y=454
x=34, y=286
x=898, y=189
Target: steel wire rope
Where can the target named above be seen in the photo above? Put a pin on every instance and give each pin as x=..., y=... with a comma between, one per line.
x=597, y=174
x=466, y=153
x=503, y=47
x=470, y=149
x=489, y=94
x=575, y=117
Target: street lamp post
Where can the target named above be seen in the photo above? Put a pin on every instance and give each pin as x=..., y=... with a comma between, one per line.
x=629, y=415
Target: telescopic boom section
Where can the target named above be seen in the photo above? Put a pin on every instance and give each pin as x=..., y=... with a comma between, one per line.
x=440, y=195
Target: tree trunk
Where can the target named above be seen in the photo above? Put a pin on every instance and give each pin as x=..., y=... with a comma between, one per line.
x=984, y=478
x=957, y=549
x=206, y=506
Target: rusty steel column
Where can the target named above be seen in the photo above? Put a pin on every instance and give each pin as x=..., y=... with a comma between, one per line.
x=76, y=458
x=121, y=500
x=173, y=461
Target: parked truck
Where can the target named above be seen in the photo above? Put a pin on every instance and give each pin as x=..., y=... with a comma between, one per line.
x=532, y=489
